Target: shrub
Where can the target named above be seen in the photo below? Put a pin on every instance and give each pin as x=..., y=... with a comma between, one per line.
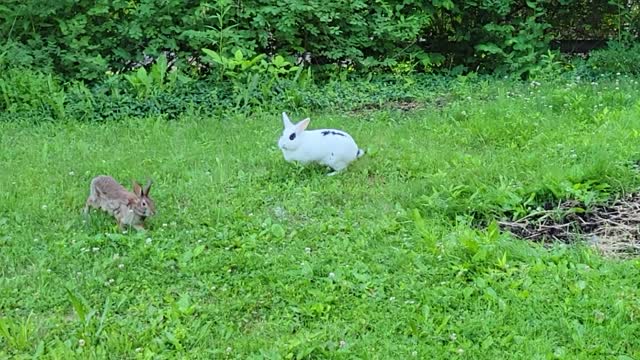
x=82, y=39
x=25, y=90
x=618, y=57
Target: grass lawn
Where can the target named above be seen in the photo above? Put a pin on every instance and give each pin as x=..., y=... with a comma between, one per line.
x=253, y=257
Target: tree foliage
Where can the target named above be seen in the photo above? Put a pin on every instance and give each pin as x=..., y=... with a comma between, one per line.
x=82, y=39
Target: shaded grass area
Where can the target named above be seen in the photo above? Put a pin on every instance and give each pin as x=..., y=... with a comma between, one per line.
x=251, y=257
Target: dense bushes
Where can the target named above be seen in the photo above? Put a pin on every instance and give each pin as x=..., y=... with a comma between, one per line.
x=110, y=59
x=245, y=85
x=616, y=58
x=84, y=39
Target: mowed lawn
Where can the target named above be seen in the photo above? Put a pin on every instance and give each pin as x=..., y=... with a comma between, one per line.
x=253, y=257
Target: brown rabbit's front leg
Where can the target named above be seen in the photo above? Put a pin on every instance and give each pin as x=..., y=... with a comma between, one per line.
x=89, y=203
x=121, y=223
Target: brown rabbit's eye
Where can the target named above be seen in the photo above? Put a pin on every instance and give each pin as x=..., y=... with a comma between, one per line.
x=292, y=136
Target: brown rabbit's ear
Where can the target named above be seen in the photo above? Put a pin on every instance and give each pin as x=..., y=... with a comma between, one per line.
x=147, y=187
x=137, y=189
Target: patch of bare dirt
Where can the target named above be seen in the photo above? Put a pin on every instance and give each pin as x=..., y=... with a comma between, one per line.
x=614, y=228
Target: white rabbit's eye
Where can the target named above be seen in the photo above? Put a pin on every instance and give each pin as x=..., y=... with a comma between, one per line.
x=292, y=136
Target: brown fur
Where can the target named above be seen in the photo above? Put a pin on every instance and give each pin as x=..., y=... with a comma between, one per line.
x=129, y=208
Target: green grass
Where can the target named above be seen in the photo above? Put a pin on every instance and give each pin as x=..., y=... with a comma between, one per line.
x=252, y=257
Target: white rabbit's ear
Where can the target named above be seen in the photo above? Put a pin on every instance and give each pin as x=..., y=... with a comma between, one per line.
x=285, y=120
x=302, y=125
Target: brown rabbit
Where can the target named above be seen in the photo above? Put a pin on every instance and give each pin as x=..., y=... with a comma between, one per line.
x=128, y=208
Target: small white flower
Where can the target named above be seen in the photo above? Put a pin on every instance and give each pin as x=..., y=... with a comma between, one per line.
x=618, y=74
x=95, y=249
x=120, y=266
x=307, y=250
x=48, y=270
x=453, y=336
x=229, y=349
x=332, y=275
x=164, y=225
x=79, y=273
x=71, y=173
x=460, y=351
x=111, y=281
x=343, y=343
x=81, y=342
x=279, y=212
x=138, y=350
x=148, y=241
x=44, y=207
x=393, y=298
x=414, y=353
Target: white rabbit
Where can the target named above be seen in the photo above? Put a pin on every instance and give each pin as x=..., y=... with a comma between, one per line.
x=333, y=148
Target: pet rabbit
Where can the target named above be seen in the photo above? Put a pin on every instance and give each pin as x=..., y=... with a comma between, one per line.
x=330, y=147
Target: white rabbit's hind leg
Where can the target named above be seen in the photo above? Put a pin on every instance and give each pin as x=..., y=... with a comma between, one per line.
x=337, y=168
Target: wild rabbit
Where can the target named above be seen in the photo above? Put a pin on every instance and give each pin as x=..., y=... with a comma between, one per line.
x=129, y=208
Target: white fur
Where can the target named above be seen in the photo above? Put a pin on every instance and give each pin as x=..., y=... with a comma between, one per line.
x=330, y=147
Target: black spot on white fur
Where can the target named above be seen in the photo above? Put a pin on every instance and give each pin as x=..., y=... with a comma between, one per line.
x=327, y=132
